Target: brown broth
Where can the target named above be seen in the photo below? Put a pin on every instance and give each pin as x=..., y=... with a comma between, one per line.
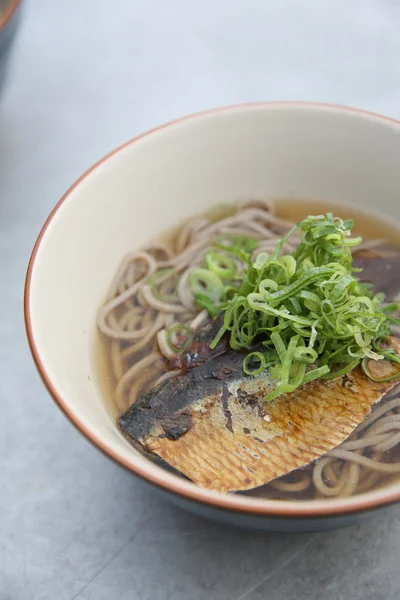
x=369, y=226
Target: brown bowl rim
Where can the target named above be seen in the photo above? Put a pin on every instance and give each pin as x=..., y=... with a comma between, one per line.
x=172, y=484
x=9, y=13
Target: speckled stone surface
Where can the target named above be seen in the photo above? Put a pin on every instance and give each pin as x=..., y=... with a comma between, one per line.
x=87, y=75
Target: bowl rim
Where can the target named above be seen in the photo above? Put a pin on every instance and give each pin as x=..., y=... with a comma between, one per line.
x=170, y=483
x=9, y=12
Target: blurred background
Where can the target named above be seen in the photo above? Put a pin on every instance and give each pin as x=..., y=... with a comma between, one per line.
x=83, y=77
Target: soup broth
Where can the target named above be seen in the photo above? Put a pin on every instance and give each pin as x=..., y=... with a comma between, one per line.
x=134, y=354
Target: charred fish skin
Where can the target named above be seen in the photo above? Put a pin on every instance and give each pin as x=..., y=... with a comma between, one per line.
x=171, y=404
x=212, y=424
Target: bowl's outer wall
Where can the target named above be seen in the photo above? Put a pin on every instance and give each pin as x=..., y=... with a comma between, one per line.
x=261, y=523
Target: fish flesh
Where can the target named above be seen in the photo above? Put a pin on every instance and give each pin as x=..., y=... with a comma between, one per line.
x=212, y=424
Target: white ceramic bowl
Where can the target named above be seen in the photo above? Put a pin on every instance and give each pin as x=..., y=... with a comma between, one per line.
x=297, y=150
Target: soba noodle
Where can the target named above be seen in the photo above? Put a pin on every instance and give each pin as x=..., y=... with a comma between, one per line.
x=150, y=293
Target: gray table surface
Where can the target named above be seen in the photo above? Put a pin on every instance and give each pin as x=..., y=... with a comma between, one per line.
x=87, y=75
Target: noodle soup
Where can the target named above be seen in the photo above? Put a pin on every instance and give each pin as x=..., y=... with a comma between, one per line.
x=151, y=317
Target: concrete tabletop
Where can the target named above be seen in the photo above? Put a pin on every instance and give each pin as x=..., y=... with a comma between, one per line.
x=87, y=75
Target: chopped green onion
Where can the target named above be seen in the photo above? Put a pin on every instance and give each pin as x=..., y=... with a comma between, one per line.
x=217, y=338
x=177, y=331
x=307, y=309
x=206, y=283
x=340, y=372
x=306, y=355
x=158, y=278
x=205, y=302
x=254, y=356
x=368, y=373
x=220, y=265
x=227, y=241
x=316, y=374
x=279, y=345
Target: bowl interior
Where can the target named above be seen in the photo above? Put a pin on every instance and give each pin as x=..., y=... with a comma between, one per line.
x=156, y=181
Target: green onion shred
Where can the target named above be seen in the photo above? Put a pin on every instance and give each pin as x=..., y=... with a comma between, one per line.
x=308, y=310
x=179, y=337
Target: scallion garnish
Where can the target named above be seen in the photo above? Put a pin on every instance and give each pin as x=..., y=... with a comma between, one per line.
x=312, y=315
x=164, y=278
x=254, y=357
x=179, y=337
x=221, y=265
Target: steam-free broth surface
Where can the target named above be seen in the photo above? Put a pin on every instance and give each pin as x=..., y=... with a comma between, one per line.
x=130, y=368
